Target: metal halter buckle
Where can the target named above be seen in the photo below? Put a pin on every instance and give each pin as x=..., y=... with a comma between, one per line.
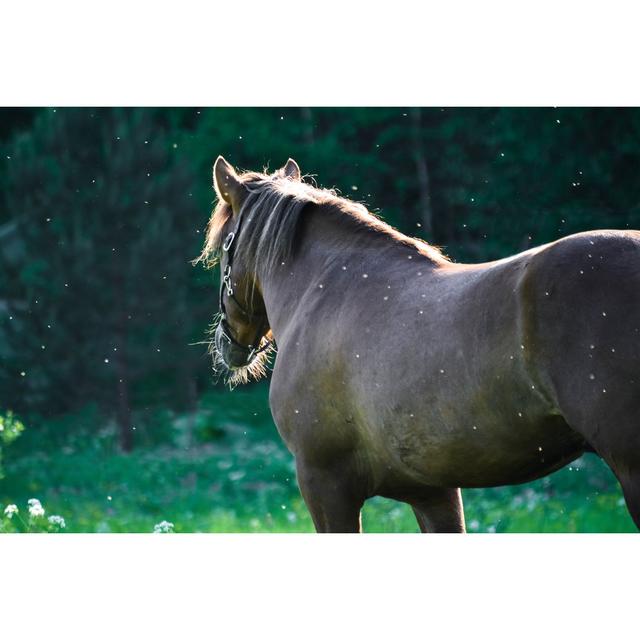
x=226, y=280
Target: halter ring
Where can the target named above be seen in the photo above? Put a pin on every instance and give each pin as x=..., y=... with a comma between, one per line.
x=228, y=241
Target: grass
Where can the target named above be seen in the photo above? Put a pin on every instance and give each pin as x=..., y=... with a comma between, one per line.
x=226, y=470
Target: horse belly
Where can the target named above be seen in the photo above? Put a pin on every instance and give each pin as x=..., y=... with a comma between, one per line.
x=487, y=455
x=503, y=434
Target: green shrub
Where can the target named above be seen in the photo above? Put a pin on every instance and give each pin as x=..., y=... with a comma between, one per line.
x=10, y=429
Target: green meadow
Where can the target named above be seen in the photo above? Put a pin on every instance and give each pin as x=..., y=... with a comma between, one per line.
x=224, y=469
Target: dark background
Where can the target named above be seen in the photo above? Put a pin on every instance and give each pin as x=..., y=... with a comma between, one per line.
x=102, y=211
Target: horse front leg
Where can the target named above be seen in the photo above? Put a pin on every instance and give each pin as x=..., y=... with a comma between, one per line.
x=440, y=511
x=332, y=498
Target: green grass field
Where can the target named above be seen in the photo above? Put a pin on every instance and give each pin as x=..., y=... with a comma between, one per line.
x=226, y=470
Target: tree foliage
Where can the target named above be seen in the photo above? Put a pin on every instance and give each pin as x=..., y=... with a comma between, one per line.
x=10, y=429
x=95, y=270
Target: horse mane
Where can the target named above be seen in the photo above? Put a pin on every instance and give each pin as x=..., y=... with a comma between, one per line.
x=271, y=214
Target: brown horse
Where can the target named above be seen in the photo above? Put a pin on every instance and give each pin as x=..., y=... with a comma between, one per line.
x=402, y=374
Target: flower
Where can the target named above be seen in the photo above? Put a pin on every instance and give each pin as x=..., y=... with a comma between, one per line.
x=163, y=527
x=57, y=521
x=35, y=508
x=10, y=510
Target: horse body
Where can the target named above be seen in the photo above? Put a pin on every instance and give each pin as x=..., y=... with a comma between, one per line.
x=422, y=382
x=402, y=374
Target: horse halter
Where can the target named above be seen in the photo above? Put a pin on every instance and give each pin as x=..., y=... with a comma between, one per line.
x=250, y=351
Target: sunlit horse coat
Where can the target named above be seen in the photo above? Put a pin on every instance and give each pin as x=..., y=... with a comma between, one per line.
x=400, y=373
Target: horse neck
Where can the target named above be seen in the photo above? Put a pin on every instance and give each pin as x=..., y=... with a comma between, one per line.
x=326, y=244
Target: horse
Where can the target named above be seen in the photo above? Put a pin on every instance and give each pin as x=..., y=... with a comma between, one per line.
x=400, y=373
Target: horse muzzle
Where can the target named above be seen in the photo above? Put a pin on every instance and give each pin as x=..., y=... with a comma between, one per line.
x=234, y=355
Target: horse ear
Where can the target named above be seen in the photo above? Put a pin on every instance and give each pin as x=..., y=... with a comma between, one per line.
x=227, y=184
x=292, y=170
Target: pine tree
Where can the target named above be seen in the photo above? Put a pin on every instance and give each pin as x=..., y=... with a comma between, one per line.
x=95, y=269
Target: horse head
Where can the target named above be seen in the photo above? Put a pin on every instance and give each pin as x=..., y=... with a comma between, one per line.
x=242, y=337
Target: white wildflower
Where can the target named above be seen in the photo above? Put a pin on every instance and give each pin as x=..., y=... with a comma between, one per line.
x=163, y=527
x=10, y=510
x=57, y=521
x=35, y=508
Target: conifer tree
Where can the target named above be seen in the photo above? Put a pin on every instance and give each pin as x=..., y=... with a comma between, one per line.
x=96, y=264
